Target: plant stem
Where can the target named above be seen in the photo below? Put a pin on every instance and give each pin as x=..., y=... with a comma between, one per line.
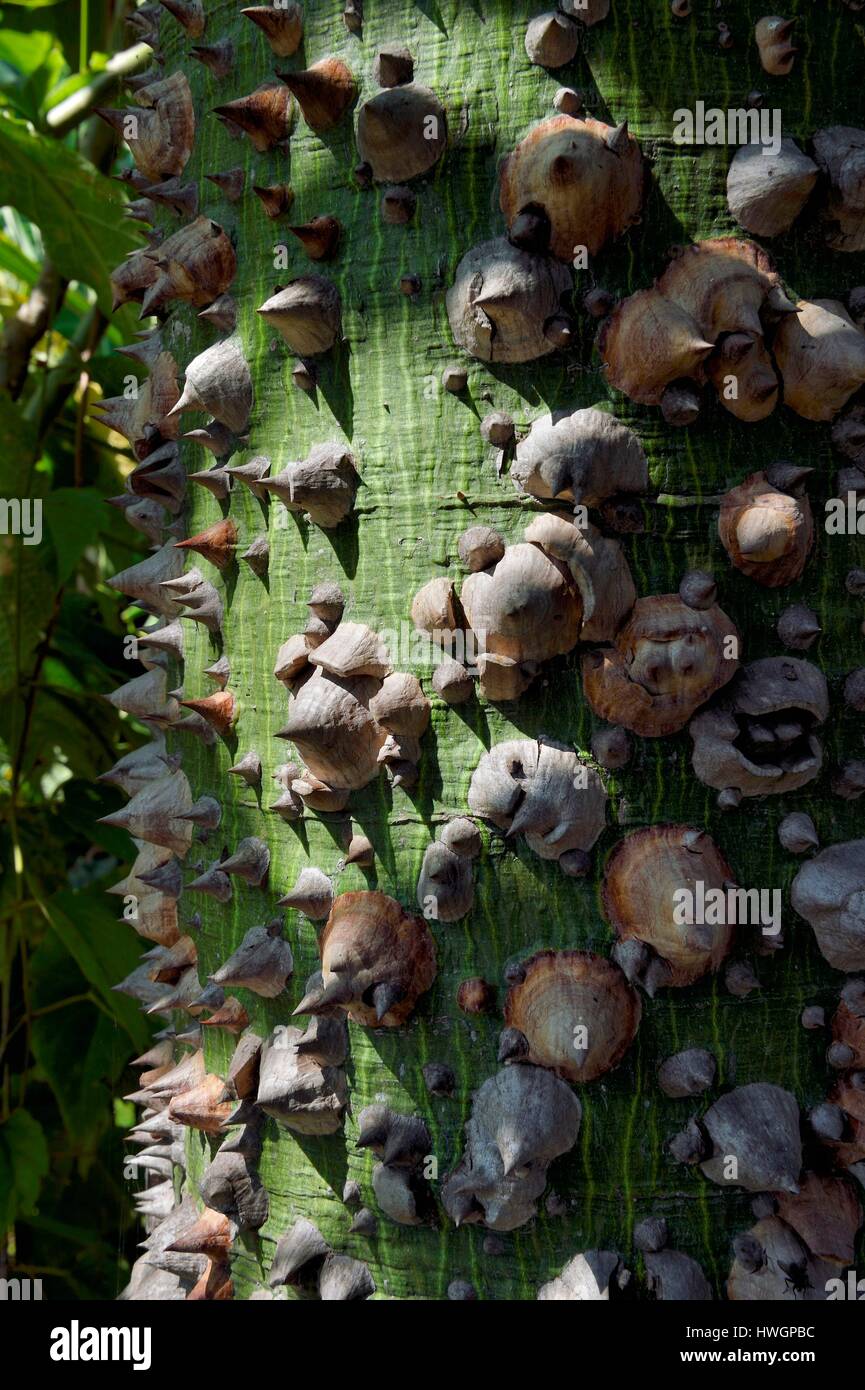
x=60, y=381
x=27, y=1014
x=97, y=330
x=23, y=329
x=83, y=38
x=86, y=998
x=68, y=114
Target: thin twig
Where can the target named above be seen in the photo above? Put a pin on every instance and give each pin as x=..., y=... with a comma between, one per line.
x=86, y=998
x=83, y=397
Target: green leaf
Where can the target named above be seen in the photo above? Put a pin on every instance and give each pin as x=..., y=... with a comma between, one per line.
x=56, y=674
x=65, y=721
x=125, y=1113
x=74, y=518
x=15, y=262
x=31, y=65
x=83, y=803
x=24, y=53
x=23, y=1164
x=25, y=606
x=17, y=439
x=76, y=1049
x=76, y=1235
x=102, y=949
x=77, y=208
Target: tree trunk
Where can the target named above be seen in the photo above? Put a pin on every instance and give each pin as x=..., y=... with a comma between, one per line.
x=427, y=475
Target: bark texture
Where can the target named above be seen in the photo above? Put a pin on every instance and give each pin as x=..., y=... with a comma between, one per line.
x=426, y=476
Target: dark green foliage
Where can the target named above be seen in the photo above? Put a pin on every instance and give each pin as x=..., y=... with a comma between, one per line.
x=65, y=1038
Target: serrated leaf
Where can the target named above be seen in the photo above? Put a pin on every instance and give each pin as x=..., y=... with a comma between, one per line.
x=78, y=210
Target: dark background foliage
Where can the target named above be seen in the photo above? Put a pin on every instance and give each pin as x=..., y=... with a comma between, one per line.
x=65, y=1036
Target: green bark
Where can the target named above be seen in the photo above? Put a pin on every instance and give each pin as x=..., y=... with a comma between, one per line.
x=426, y=476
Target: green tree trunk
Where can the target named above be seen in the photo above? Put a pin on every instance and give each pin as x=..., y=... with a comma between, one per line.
x=426, y=476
